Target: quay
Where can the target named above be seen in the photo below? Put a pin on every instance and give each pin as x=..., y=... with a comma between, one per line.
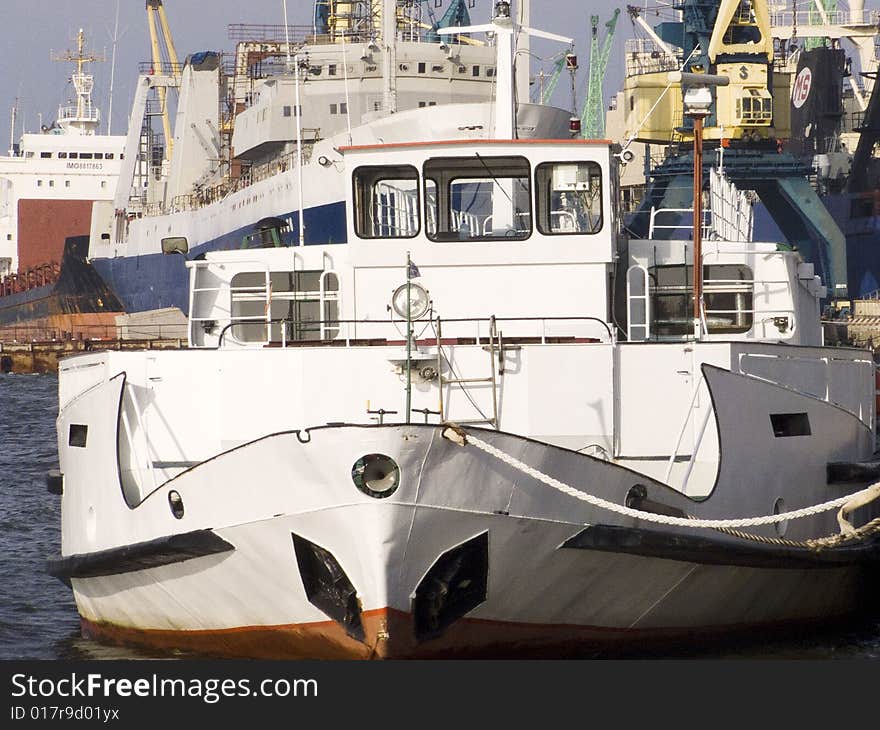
x=43, y=356
x=37, y=349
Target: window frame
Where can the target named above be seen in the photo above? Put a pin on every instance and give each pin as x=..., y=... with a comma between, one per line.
x=539, y=199
x=465, y=174
x=358, y=206
x=686, y=292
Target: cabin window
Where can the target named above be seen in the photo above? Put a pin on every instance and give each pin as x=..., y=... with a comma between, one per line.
x=755, y=106
x=85, y=155
x=386, y=201
x=73, y=155
x=45, y=155
x=727, y=299
x=99, y=155
x=285, y=111
x=569, y=198
x=477, y=197
x=293, y=302
x=331, y=69
x=743, y=26
x=62, y=155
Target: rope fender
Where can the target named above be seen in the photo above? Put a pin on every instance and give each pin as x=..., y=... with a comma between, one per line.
x=846, y=504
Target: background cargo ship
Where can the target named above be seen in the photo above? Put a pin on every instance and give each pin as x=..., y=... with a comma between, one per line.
x=48, y=184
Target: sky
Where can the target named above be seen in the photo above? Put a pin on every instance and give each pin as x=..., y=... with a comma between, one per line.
x=32, y=29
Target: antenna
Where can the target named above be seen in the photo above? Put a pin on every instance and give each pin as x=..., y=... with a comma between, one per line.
x=345, y=81
x=12, y=129
x=113, y=70
x=286, y=34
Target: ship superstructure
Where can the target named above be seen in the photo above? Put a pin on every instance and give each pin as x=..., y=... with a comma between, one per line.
x=50, y=179
x=245, y=133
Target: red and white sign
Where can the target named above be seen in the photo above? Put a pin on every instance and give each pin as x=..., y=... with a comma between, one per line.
x=801, y=89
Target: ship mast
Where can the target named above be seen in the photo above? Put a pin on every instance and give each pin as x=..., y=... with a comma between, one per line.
x=389, y=64
x=83, y=118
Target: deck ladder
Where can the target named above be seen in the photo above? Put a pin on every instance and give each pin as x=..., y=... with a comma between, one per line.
x=495, y=348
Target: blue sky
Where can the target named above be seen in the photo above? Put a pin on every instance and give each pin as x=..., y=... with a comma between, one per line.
x=33, y=28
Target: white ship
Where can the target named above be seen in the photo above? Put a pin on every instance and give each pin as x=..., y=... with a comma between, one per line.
x=48, y=184
x=481, y=423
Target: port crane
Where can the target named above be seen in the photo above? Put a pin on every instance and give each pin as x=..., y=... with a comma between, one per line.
x=593, y=114
x=160, y=36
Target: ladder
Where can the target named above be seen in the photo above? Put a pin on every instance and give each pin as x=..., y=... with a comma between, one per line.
x=494, y=348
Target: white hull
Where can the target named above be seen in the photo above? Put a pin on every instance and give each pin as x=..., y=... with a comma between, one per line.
x=541, y=594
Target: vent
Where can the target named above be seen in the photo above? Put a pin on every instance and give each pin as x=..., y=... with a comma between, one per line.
x=328, y=587
x=790, y=424
x=77, y=435
x=455, y=585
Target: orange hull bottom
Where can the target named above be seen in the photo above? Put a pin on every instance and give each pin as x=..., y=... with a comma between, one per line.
x=389, y=634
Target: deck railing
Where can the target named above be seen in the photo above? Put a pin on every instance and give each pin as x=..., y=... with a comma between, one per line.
x=463, y=331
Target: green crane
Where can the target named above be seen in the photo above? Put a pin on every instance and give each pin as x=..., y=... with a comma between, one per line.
x=592, y=116
x=553, y=79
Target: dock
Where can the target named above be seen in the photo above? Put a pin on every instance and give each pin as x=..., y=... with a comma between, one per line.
x=43, y=356
x=37, y=349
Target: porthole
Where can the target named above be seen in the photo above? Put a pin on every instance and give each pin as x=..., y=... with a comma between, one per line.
x=376, y=475
x=778, y=509
x=175, y=501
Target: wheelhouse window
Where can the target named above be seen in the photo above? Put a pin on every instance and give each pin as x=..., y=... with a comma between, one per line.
x=478, y=198
x=727, y=299
x=569, y=198
x=386, y=200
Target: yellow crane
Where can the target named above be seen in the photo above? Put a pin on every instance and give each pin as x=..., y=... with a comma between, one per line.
x=158, y=23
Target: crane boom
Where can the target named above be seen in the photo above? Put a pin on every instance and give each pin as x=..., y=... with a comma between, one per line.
x=592, y=117
x=550, y=86
x=157, y=20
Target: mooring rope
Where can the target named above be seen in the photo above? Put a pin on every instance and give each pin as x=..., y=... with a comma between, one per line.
x=845, y=504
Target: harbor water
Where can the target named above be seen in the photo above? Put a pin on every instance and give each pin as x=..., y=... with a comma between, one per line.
x=38, y=618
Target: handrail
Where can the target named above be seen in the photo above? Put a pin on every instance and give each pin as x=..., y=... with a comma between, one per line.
x=333, y=322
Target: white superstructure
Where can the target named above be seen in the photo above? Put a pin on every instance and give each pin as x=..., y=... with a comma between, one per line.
x=67, y=161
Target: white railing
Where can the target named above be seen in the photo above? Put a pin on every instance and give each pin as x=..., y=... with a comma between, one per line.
x=655, y=212
x=465, y=331
x=643, y=55
x=831, y=364
x=812, y=17
x=395, y=212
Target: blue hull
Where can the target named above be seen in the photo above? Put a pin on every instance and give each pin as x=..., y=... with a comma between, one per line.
x=862, y=242
x=157, y=281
